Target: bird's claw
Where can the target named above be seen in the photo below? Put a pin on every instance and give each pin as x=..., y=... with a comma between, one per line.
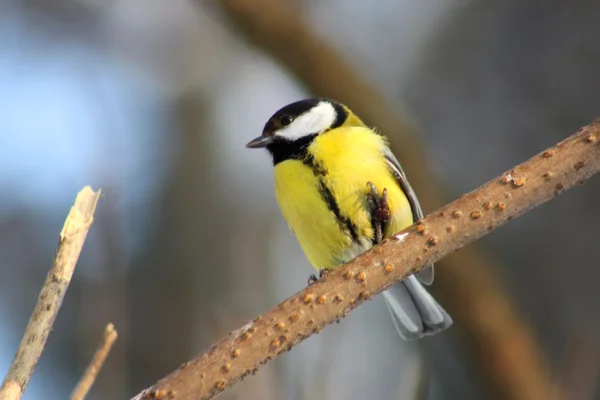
x=380, y=210
x=313, y=278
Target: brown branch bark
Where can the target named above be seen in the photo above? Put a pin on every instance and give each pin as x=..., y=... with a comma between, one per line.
x=71, y=241
x=448, y=229
x=91, y=372
x=505, y=349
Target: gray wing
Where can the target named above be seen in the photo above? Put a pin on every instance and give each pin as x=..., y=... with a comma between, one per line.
x=426, y=274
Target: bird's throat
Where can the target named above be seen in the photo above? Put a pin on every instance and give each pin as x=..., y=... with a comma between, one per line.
x=282, y=150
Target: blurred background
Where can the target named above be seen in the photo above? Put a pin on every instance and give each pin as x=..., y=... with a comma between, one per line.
x=153, y=101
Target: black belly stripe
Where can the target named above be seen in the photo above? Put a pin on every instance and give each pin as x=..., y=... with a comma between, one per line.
x=344, y=222
x=320, y=172
x=317, y=169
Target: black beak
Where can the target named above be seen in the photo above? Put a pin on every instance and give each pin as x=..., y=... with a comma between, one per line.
x=259, y=142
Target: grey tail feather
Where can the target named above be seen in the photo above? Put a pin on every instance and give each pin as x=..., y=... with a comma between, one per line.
x=426, y=275
x=414, y=311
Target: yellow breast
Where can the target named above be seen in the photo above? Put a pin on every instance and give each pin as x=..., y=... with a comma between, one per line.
x=344, y=160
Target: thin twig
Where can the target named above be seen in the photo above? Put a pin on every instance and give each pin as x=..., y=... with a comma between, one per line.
x=505, y=349
x=71, y=241
x=448, y=229
x=91, y=372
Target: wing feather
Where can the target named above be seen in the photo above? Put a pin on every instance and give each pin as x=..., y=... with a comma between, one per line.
x=425, y=275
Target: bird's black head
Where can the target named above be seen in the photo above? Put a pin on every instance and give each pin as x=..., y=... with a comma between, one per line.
x=289, y=132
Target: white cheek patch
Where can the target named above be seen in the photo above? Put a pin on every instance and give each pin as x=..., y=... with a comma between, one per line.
x=314, y=121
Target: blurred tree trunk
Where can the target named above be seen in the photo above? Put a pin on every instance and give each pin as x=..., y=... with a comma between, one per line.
x=184, y=262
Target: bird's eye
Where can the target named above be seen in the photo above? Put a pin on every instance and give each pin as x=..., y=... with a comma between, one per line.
x=286, y=120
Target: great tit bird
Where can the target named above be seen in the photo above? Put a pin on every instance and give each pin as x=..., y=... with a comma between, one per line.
x=328, y=165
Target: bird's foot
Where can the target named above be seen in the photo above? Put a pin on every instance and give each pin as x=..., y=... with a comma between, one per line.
x=313, y=278
x=380, y=210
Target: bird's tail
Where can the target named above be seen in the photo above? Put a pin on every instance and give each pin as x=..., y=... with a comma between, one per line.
x=414, y=311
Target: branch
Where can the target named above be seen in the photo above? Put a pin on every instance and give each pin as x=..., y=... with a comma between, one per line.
x=71, y=241
x=448, y=229
x=90, y=374
x=505, y=349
